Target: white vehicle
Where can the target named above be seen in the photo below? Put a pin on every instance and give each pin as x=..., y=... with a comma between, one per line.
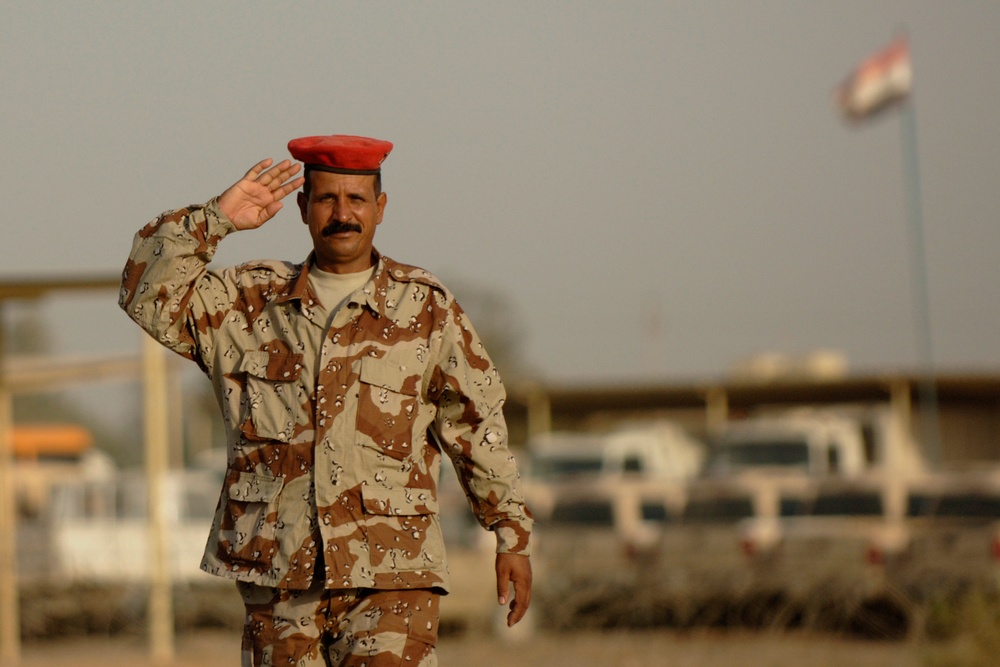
x=46, y=455
x=719, y=556
x=597, y=554
x=564, y=454
x=955, y=525
x=659, y=449
x=99, y=531
x=840, y=441
x=846, y=537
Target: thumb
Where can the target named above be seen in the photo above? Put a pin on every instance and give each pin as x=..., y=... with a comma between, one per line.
x=271, y=210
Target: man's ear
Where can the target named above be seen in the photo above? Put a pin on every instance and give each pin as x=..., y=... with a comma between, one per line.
x=303, y=203
x=380, y=203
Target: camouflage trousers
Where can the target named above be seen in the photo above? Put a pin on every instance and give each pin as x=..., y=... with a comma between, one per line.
x=349, y=628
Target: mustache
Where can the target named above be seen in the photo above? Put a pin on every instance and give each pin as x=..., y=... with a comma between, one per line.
x=339, y=227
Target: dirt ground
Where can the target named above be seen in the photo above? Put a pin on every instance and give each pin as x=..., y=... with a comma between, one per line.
x=603, y=649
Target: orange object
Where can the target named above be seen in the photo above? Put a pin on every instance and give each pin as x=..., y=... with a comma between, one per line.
x=50, y=440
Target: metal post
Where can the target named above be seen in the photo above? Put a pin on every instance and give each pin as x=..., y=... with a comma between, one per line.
x=175, y=409
x=539, y=410
x=918, y=275
x=157, y=437
x=10, y=619
x=716, y=409
x=900, y=404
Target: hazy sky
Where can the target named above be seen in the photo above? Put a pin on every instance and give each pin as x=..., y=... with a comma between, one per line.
x=660, y=189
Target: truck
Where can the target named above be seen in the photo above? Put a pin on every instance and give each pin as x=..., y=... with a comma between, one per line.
x=842, y=441
x=49, y=454
x=97, y=531
x=653, y=448
x=598, y=550
x=954, y=549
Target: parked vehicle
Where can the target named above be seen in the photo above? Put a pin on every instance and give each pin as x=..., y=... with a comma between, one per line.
x=955, y=543
x=598, y=558
x=846, y=537
x=99, y=532
x=846, y=441
x=835, y=561
x=717, y=560
x=46, y=455
x=655, y=448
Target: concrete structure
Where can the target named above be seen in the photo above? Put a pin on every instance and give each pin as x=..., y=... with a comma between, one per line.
x=966, y=406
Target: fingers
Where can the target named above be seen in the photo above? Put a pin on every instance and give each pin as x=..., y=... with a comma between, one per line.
x=279, y=179
x=275, y=176
x=503, y=580
x=522, y=599
x=289, y=187
x=256, y=198
x=280, y=173
x=257, y=168
x=280, y=182
x=516, y=570
x=272, y=209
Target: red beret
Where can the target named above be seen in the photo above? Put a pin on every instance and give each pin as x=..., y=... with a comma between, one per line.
x=341, y=154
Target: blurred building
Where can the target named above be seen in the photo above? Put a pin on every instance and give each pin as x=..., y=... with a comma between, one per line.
x=964, y=413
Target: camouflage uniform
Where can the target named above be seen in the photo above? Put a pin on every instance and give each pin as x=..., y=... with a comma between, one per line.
x=335, y=421
x=346, y=627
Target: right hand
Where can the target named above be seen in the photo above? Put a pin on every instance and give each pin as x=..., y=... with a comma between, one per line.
x=256, y=198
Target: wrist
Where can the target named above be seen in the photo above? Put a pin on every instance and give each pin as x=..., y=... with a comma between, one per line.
x=219, y=223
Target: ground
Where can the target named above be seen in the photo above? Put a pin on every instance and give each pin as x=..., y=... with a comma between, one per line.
x=581, y=649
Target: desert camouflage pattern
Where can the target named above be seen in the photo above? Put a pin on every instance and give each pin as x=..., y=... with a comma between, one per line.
x=351, y=628
x=335, y=421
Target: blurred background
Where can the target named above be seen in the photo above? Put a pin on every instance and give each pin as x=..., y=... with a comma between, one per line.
x=716, y=302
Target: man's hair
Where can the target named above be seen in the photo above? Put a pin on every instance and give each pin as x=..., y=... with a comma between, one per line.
x=308, y=183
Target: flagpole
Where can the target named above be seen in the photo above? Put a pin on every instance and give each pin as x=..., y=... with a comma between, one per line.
x=919, y=281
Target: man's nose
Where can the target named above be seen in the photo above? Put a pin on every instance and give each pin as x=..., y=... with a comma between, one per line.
x=341, y=211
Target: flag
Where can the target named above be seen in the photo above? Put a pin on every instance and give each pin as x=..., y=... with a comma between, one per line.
x=878, y=83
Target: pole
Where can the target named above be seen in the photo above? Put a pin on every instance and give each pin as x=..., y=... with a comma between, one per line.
x=716, y=410
x=157, y=437
x=918, y=276
x=539, y=410
x=10, y=619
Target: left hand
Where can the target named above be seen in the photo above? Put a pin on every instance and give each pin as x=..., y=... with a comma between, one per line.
x=514, y=569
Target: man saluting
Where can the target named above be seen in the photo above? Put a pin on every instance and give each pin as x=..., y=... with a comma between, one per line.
x=341, y=381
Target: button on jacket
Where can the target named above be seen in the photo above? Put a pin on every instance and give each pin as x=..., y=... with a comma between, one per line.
x=335, y=421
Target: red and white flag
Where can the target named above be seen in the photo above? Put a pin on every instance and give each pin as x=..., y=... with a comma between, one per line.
x=878, y=83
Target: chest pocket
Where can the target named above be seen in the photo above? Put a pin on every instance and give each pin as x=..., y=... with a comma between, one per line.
x=274, y=396
x=387, y=405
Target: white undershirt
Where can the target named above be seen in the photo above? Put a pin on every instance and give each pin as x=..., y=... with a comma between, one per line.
x=333, y=289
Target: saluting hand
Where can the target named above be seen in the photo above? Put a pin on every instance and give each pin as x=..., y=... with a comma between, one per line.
x=256, y=198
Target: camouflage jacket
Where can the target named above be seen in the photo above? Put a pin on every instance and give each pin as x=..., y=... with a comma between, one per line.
x=335, y=426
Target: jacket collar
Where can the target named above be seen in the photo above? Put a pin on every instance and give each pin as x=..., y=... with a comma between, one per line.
x=375, y=290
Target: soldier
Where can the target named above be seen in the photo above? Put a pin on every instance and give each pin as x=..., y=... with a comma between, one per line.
x=341, y=381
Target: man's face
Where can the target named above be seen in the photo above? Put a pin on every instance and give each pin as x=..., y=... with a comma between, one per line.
x=342, y=212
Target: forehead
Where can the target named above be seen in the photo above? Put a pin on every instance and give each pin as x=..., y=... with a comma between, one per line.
x=326, y=181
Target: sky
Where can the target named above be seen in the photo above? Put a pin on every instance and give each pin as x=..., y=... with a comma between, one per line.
x=654, y=191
